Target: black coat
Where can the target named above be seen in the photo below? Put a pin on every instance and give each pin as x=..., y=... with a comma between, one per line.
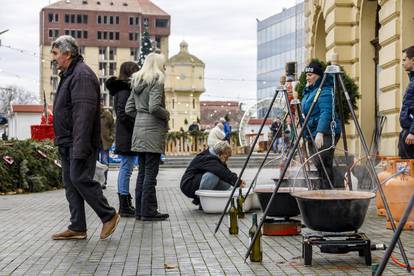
x=124, y=124
x=407, y=109
x=76, y=110
x=202, y=163
x=274, y=128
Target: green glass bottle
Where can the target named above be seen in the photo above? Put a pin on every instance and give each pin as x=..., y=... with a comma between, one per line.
x=233, y=228
x=240, y=202
x=256, y=253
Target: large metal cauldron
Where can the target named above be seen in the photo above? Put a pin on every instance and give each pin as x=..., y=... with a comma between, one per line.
x=283, y=206
x=333, y=210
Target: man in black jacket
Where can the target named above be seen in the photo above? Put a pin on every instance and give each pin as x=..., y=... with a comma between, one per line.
x=76, y=110
x=406, y=141
x=208, y=171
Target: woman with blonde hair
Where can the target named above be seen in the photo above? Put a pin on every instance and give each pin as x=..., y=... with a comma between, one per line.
x=147, y=105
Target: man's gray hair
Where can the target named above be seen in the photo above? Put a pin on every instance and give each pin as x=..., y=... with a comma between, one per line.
x=222, y=147
x=66, y=43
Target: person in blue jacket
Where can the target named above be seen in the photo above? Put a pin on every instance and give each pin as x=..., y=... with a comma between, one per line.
x=406, y=141
x=320, y=121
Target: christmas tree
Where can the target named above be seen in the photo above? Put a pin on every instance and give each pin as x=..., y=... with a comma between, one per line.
x=146, y=47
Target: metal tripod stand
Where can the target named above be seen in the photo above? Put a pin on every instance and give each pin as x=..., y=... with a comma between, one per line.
x=336, y=71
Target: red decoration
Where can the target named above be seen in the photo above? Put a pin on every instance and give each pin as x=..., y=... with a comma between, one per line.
x=42, y=154
x=42, y=132
x=8, y=159
x=57, y=163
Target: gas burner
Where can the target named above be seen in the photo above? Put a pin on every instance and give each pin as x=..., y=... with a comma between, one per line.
x=281, y=227
x=337, y=243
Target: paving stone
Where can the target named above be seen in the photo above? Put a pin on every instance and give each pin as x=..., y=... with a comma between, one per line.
x=186, y=240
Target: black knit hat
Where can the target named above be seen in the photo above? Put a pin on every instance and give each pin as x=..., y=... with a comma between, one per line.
x=314, y=67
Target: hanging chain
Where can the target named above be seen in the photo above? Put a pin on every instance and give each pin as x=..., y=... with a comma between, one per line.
x=333, y=122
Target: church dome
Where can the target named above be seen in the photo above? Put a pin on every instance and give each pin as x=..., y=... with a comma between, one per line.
x=184, y=57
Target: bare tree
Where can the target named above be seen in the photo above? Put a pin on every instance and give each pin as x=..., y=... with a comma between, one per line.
x=13, y=94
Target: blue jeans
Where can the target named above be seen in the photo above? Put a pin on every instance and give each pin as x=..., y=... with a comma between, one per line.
x=125, y=172
x=104, y=159
x=210, y=181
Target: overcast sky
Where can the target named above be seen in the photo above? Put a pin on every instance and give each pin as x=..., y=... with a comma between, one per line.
x=222, y=33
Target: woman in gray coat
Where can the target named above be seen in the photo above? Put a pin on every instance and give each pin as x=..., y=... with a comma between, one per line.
x=147, y=105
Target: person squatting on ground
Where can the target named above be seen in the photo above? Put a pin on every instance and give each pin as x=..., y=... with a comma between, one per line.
x=120, y=89
x=320, y=120
x=406, y=140
x=208, y=171
x=147, y=105
x=77, y=134
x=107, y=137
x=215, y=135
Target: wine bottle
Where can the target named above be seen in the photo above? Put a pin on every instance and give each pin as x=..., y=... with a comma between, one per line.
x=233, y=228
x=240, y=202
x=256, y=253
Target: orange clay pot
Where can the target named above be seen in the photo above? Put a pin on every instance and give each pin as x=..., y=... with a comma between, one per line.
x=388, y=170
x=398, y=192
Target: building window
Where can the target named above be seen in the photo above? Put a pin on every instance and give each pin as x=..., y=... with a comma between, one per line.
x=102, y=53
x=146, y=22
x=117, y=20
x=99, y=19
x=85, y=19
x=134, y=20
x=73, y=33
x=67, y=32
x=67, y=19
x=72, y=18
x=50, y=17
x=112, y=53
x=136, y=36
x=79, y=34
x=85, y=34
x=131, y=36
x=112, y=68
x=105, y=35
x=111, y=35
x=99, y=35
x=158, y=40
x=111, y=20
x=102, y=68
x=105, y=19
x=116, y=35
x=53, y=33
x=79, y=18
x=135, y=53
x=161, y=23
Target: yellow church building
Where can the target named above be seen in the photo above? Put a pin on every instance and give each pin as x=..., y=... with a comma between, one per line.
x=183, y=86
x=368, y=36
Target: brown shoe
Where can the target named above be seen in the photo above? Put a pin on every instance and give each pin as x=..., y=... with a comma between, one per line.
x=69, y=235
x=109, y=227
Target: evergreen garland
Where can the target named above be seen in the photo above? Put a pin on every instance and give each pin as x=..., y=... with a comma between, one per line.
x=350, y=86
x=33, y=169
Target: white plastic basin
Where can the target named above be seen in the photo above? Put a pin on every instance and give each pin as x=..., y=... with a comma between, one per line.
x=214, y=201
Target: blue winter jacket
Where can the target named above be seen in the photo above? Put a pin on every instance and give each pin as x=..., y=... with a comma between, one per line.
x=321, y=117
x=407, y=108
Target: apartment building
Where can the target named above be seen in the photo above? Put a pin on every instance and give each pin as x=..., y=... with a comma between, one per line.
x=108, y=32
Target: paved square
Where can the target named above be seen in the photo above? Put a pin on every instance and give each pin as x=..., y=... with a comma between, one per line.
x=185, y=244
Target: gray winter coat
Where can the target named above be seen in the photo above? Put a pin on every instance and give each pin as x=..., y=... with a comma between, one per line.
x=147, y=105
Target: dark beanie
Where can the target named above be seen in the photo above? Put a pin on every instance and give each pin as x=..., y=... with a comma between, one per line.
x=314, y=67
